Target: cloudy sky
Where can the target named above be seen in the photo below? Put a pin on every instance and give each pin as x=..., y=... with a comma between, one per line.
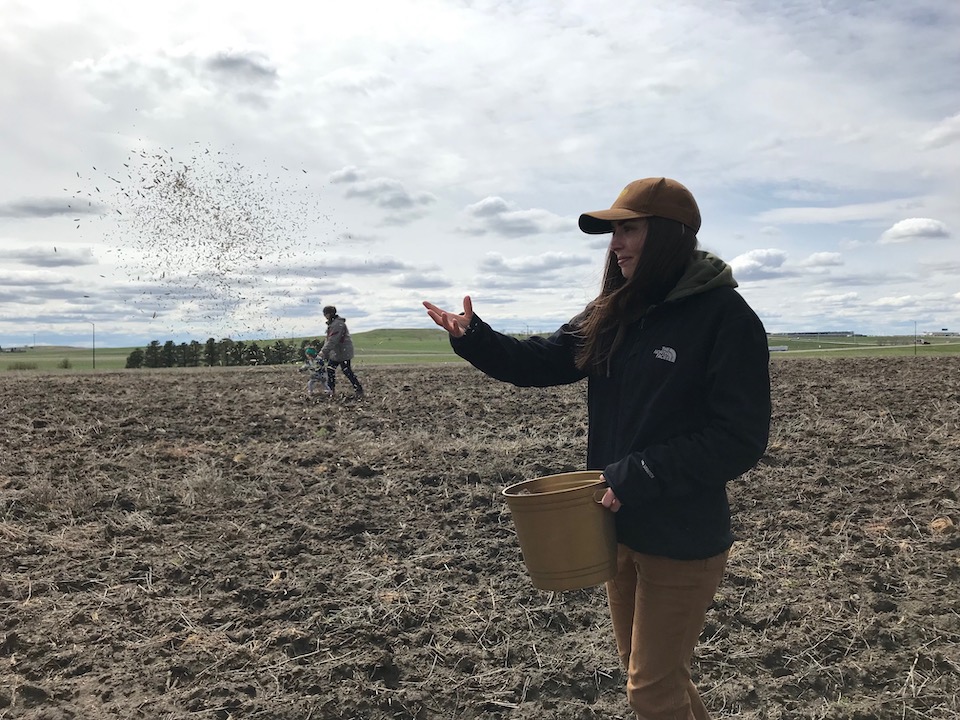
x=182, y=170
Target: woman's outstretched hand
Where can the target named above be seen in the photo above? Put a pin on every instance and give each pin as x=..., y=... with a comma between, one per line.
x=453, y=323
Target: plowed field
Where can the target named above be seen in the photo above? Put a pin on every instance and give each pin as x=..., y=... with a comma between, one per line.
x=211, y=544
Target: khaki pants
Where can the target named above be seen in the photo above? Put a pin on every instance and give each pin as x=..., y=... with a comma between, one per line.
x=658, y=607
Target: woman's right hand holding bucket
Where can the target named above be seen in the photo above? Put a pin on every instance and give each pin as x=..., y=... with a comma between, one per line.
x=609, y=500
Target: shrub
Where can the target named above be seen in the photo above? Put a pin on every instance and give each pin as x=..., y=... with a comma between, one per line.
x=65, y=364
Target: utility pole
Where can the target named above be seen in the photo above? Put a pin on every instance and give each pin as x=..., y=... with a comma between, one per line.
x=94, y=343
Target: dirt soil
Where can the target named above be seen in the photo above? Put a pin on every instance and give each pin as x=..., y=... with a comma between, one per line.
x=210, y=544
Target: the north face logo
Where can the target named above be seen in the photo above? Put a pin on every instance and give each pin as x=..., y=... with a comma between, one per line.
x=666, y=353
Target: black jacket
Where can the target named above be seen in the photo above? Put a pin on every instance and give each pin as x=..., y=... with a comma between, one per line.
x=683, y=407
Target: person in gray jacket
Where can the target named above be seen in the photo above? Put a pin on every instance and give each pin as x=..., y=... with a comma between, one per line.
x=337, y=351
x=678, y=401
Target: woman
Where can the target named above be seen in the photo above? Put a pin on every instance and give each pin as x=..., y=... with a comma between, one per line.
x=678, y=403
x=337, y=351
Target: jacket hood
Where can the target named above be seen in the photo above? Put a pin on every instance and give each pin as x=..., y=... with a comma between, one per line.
x=706, y=272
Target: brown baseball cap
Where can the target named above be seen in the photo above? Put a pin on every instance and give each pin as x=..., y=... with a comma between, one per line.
x=650, y=197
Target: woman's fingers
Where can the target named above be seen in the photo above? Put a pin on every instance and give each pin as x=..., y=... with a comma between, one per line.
x=436, y=314
x=610, y=501
x=453, y=323
x=448, y=323
x=458, y=324
x=433, y=311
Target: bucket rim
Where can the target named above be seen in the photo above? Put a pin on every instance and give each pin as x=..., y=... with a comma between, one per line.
x=511, y=491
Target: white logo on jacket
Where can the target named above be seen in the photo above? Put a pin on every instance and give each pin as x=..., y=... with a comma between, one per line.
x=666, y=353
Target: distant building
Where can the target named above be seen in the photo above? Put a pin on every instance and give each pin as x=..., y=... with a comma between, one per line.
x=826, y=333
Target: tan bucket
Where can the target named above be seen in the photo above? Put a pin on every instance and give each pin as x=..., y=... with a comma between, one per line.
x=567, y=538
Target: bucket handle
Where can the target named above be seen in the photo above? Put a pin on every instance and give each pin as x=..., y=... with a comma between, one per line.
x=602, y=489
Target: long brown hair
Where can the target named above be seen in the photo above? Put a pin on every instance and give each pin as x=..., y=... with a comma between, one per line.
x=667, y=251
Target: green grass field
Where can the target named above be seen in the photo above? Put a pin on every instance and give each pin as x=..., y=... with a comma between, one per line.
x=416, y=346
x=862, y=346
x=376, y=347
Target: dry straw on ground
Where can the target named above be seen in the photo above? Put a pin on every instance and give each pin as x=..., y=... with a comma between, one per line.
x=209, y=544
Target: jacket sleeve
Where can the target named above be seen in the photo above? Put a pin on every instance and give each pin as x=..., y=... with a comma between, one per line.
x=533, y=362
x=331, y=344
x=733, y=436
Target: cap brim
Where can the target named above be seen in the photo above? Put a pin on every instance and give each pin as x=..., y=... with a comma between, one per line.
x=599, y=222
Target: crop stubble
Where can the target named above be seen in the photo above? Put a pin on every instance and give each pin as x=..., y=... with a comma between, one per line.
x=208, y=544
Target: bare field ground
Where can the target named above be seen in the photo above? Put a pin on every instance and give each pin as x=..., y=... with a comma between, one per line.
x=209, y=544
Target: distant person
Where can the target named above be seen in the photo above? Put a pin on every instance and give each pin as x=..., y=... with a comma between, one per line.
x=337, y=351
x=678, y=400
x=318, y=371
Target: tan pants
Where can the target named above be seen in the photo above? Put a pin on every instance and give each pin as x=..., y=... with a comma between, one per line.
x=658, y=607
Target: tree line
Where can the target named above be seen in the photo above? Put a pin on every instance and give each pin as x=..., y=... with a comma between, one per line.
x=218, y=353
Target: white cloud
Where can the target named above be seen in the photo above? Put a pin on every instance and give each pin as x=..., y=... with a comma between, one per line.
x=900, y=301
x=495, y=215
x=421, y=281
x=840, y=214
x=395, y=153
x=914, y=229
x=388, y=193
x=488, y=207
x=944, y=133
x=348, y=174
x=402, y=206
x=821, y=260
x=50, y=256
x=839, y=299
x=359, y=266
x=758, y=264
x=544, y=263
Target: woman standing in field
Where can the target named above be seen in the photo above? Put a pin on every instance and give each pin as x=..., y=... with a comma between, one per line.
x=678, y=403
x=337, y=351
